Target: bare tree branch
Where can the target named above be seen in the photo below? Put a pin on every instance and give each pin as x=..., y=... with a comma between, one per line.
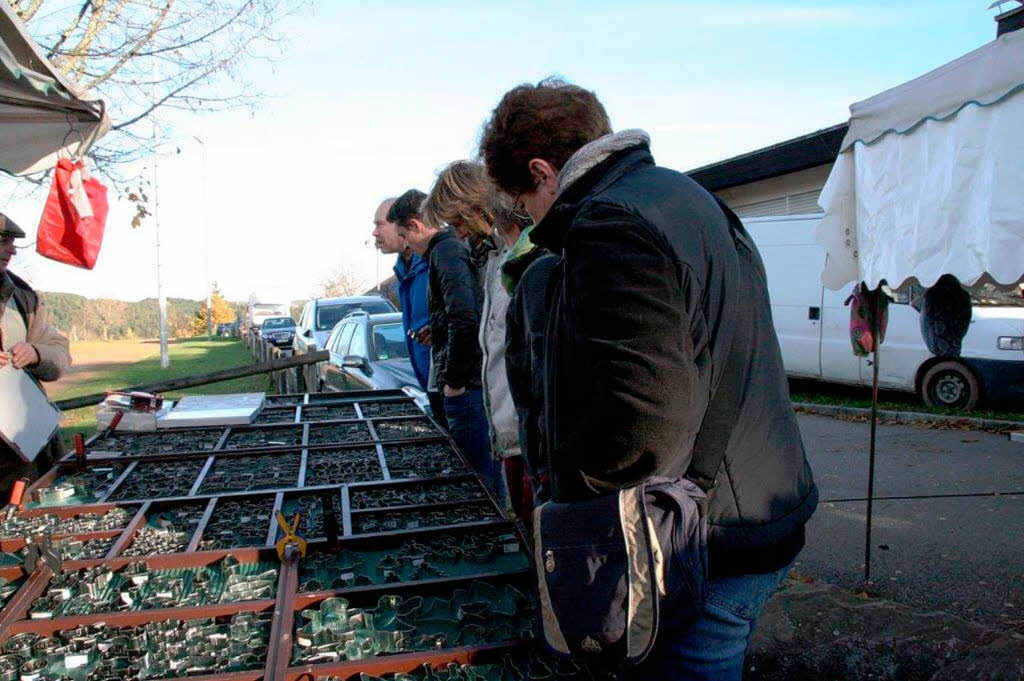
x=72, y=27
x=159, y=102
x=142, y=41
x=146, y=58
x=29, y=11
x=199, y=39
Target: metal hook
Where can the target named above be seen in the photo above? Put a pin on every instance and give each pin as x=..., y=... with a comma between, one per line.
x=64, y=142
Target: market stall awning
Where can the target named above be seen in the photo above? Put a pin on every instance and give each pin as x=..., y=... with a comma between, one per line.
x=929, y=177
x=41, y=113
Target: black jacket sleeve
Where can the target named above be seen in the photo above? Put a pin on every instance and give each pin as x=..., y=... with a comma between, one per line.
x=524, y=362
x=459, y=289
x=634, y=328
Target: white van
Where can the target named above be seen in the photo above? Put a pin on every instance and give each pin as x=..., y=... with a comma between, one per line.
x=812, y=324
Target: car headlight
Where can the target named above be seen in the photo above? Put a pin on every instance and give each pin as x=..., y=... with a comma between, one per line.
x=1010, y=343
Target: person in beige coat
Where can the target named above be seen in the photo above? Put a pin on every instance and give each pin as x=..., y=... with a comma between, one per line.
x=29, y=341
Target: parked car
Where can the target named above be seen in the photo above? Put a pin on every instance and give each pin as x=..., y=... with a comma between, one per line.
x=321, y=315
x=227, y=330
x=812, y=323
x=368, y=352
x=278, y=330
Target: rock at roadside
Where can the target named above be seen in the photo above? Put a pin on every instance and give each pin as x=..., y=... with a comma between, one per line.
x=821, y=632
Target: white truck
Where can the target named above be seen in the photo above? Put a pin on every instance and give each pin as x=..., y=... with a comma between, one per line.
x=262, y=307
x=812, y=324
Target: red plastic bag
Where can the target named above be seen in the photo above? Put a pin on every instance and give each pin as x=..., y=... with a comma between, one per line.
x=75, y=214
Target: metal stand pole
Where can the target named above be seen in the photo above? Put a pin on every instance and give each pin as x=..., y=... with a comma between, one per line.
x=871, y=462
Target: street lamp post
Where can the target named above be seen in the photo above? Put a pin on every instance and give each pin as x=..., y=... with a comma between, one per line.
x=206, y=249
x=165, y=358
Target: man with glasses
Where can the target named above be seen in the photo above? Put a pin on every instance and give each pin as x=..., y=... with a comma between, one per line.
x=29, y=342
x=659, y=356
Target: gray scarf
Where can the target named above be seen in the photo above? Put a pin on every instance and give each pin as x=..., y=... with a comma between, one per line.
x=589, y=155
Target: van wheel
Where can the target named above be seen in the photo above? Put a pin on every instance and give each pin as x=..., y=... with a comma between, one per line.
x=951, y=385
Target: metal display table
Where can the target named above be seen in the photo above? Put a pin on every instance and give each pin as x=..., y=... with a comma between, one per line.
x=162, y=561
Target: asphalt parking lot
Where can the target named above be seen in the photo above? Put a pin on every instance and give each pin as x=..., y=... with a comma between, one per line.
x=962, y=553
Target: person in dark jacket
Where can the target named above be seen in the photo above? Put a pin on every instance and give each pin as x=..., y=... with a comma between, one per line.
x=526, y=274
x=454, y=300
x=411, y=275
x=658, y=294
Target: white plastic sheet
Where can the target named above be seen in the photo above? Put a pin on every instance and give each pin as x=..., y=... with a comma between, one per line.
x=27, y=419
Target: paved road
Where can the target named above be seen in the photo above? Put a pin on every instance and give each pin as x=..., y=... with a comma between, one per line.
x=964, y=555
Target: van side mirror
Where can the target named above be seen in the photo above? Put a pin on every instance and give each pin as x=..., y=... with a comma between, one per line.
x=308, y=333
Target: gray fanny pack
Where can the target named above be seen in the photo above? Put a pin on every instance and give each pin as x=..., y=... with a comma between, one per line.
x=611, y=570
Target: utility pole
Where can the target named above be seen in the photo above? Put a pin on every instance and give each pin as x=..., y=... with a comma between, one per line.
x=206, y=248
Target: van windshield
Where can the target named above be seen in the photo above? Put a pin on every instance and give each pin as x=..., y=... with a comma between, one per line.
x=990, y=296
x=987, y=295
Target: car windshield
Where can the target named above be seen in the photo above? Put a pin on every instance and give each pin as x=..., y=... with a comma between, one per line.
x=279, y=323
x=329, y=315
x=264, y=308
x=389, y=341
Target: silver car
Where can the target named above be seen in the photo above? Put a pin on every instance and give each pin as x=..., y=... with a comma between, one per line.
x=320, y=315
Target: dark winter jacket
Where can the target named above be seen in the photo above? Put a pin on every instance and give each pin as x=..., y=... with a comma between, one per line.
x=655, y=294
x=412, y=280
x=455, y=300
x=524, y=354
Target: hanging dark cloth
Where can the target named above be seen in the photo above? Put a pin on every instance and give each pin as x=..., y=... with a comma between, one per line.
x=945, y=316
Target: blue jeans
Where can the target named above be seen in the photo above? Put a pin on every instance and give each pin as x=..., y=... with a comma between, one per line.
x=467, y=424
x=715, y=646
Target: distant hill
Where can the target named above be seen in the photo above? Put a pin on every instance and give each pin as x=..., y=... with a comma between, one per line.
x=105, y=319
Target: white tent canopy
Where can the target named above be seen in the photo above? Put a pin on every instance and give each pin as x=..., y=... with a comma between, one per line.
x=930, y=177
x=41, y=114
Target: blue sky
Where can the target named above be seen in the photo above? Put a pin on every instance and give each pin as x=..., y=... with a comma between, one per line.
x=374, y=98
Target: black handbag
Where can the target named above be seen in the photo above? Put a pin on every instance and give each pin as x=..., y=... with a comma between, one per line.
x=610, y=570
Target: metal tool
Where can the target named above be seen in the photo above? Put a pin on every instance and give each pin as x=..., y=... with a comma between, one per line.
x=41, y=550
x=291, y=541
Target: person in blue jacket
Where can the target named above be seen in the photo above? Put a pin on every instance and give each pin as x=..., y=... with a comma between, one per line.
x=411, y=275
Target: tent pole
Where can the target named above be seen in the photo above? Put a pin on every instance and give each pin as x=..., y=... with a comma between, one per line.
x=871, y=461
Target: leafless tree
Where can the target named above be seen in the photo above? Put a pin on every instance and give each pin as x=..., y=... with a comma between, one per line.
x=146, y=58
x=341, y=281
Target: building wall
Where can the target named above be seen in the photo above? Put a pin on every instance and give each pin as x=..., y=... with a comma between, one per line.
x=789, y=194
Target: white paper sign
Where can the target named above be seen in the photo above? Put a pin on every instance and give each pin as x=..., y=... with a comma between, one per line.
x=27, y=419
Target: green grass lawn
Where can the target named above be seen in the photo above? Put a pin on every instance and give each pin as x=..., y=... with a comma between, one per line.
x=188, y=357
x=816, y=392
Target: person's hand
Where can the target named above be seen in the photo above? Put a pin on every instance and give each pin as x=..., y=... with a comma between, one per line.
x=24, y=355
x=453, y=392
x=423, y=336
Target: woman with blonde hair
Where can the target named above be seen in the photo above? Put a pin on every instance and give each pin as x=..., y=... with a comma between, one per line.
x=464, y=199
